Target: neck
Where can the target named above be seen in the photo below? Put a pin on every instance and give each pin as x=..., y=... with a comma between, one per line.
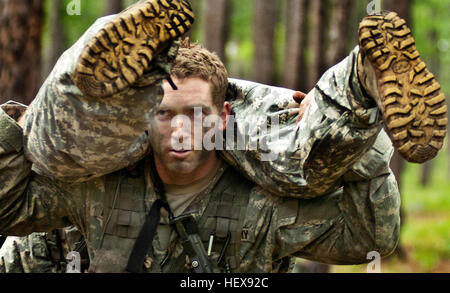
x=169, y=177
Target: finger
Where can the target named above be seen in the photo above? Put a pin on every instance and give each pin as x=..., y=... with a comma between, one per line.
x=299, y=96
x=303, y=108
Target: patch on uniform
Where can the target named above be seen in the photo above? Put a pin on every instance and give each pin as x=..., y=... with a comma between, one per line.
x=245, y=234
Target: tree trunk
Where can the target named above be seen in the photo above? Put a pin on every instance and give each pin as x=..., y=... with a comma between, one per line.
x=216, y=26
x=57, y=35
x=358, y=12
x=113, y=7
x=263, y=37
x=339, y=28
x=426, y=173
x=20, y=47
x=296, y=32
x=316, y=42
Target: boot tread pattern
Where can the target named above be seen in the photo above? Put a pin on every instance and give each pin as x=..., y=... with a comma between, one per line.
x=123, y=50
x=414, y=108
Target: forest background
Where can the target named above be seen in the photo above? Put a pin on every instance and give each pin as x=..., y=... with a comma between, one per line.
x=288, y=43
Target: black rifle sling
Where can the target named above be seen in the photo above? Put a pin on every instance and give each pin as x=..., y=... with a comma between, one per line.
x=145, y=239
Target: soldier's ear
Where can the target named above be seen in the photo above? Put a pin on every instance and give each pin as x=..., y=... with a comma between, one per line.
x=225, y=115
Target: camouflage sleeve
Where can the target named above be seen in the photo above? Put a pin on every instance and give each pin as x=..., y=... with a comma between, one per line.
x=28, y=202
x=344, y=226
x=72, y=137
x=29, y=254
x=308, y=159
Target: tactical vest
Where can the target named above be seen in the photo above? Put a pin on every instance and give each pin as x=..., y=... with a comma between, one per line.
x=221, y=225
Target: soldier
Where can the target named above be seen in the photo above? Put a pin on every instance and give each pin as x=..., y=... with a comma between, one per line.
x=105, y=147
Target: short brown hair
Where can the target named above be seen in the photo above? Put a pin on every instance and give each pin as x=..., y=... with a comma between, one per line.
x=195, y=61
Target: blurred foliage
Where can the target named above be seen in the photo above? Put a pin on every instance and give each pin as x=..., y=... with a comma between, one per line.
x=240, y=46
x=433, y=16
x=74, y=25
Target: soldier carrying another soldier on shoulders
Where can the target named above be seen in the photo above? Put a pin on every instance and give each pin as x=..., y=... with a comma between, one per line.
x=116, y=143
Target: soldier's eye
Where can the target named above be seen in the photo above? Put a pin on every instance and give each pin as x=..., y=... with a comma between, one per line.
x=162, y=114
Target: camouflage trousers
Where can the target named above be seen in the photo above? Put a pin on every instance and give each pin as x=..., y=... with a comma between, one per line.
x=73, y=138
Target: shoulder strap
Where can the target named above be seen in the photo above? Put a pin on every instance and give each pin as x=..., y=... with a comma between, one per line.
x=145, y=239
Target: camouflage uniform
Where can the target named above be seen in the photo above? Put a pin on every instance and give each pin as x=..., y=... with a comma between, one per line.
x=327, y=195
x=41, y=252
x=27, y=255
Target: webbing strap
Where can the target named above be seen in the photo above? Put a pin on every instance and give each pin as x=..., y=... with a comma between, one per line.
x=145, y=238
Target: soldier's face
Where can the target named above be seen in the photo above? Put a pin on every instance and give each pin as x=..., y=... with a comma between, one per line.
x=178, y=131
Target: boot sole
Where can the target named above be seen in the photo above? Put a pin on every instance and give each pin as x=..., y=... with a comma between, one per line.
x=412, y=104
x=123, y=50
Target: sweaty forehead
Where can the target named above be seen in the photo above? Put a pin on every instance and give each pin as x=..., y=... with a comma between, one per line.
x=190, y=91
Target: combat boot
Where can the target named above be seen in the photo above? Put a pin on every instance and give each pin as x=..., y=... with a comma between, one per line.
x=407, y=93
x=121, y=52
